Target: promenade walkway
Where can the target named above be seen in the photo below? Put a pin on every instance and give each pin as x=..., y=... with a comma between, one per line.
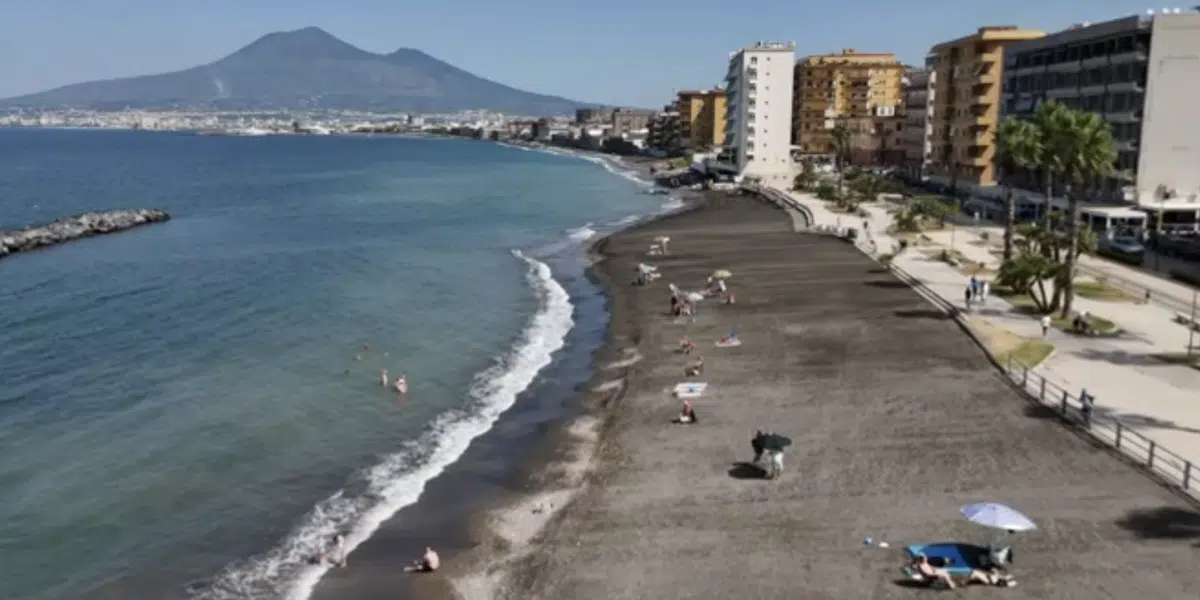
x=1158, y=399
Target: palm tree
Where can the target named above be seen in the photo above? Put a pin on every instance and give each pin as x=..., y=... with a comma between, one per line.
x=1052, y=120
x=1016, y=144
x=1089, y=155
x=841, y=151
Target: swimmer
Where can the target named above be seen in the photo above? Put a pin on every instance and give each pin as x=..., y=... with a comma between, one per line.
x=383, y=378
x=401, y=385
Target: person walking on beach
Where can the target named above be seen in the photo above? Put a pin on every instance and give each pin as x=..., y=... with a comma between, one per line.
x=336, y=553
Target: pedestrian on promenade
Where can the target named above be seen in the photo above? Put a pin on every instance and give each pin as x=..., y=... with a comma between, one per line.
x=984, y=290
x=974, y=287
x=1045, y=325
x=967, y=298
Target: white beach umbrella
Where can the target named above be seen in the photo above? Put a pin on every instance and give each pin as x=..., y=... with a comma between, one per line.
x=997, y=516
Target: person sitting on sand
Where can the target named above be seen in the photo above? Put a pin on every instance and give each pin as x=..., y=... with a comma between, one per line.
x=429, y=562
x=921, y=565
x=696, y=368
x=675, y=305
x=991, y=576
x=687, y=416
x=686, y=345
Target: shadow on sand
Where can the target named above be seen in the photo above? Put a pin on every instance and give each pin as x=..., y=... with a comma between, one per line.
x=745, y=470
x=1163, y=523
x=905, y=582
x=923, y=313
x=891, y=284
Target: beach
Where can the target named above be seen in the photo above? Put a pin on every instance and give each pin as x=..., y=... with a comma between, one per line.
x=897, y=418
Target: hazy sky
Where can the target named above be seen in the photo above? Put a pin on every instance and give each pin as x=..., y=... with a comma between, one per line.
x=633, y=52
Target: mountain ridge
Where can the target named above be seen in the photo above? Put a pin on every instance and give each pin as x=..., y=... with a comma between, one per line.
x=309, y=69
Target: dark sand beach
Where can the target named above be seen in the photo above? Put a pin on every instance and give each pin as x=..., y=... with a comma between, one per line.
x=898, y=419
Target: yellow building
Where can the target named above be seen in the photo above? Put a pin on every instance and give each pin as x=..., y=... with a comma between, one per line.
x=701, y=118
x=966, y=105
x=844, y=85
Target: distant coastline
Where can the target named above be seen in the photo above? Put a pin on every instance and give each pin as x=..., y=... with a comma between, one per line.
x=77, y=227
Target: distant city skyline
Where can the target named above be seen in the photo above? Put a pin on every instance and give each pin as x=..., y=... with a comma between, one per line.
x=621, y=52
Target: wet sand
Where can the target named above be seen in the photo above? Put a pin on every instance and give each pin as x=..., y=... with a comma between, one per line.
x=898, y=419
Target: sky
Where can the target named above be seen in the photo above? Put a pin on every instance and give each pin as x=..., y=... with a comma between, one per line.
x=618, y=52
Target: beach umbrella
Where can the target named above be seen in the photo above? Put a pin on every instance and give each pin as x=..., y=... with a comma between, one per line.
x=997, y=516
x=722, y=274
x=776, y=442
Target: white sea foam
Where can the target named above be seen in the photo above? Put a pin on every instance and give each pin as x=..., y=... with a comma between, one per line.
x=581, y=234
x=399, y=479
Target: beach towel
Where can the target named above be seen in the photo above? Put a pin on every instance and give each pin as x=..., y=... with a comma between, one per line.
x=729, y=343
x=690, y=390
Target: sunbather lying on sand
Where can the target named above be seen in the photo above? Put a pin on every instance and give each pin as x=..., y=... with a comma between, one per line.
x=921, y=564
x=992, y=576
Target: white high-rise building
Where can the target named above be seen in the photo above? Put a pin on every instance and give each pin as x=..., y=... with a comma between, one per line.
x=758, y=117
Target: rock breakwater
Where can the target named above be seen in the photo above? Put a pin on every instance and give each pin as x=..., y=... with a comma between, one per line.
x=76, y=227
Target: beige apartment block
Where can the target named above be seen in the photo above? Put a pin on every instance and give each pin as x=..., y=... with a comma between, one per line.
x=701, y=118
x=849, y=85
x=968, y=73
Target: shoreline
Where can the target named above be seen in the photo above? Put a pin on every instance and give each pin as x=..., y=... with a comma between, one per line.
x=502, y=463
x=558, y=471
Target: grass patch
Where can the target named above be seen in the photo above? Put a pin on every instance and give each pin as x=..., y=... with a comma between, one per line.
x=1005, y=345
x=1099, y=290
x=1024, y=304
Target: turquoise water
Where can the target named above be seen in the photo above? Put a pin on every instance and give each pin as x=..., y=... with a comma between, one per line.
x=190, y=402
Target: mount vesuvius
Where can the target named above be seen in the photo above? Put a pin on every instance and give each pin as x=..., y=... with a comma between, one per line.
x=306, y=69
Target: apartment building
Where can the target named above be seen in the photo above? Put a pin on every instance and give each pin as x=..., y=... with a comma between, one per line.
x=758, y=113
x=701, y=118
x=663, y=130
x=1142, y=73
x=917, y=102
x=967, y=98
x=592, y=116
x=626, y=121
x=848, y=85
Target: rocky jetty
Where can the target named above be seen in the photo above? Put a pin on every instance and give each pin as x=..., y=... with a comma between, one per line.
x=76, y=227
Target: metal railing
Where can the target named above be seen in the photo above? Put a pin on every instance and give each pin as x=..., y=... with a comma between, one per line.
x=1139, y=291
x=1109, y=430
x=1072, y=411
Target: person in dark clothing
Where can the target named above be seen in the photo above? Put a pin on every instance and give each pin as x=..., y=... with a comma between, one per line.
x=757, y=443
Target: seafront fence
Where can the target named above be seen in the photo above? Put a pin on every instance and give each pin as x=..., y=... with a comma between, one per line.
x=1106, y=429
x=1056, y=402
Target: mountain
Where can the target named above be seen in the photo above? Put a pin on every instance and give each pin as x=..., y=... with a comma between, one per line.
x=306, y=69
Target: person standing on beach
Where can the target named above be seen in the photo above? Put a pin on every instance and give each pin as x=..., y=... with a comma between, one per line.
x=336, y=553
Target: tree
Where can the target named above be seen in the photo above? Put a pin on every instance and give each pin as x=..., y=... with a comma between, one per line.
x=840, y=135
x=921, y=209
x=1041, y=256
x=1051, y=121
x=1016, y=145
x=806, y=179
x=826, y=192
x=1089, y=154
x=866, y=187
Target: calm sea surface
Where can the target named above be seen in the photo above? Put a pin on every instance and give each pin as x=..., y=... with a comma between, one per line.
x=182, y=407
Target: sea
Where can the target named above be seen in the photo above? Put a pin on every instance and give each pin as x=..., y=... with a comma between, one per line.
x=191, y=409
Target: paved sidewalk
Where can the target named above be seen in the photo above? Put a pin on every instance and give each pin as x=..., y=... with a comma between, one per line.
x=1161, y=401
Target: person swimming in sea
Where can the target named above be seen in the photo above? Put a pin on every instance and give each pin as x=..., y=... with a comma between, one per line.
x=383, y=378
x=401, y=385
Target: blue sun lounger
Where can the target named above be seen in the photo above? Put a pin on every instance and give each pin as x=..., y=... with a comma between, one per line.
x=957, y=559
